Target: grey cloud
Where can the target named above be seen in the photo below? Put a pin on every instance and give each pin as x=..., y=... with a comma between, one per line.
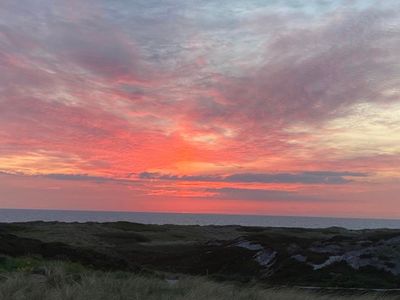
x=323, y=177
x=74, y=177
x=84, y=39
x=207, y=178
x=315, y=74
x=91, y=178
x=99, y=48
x=78, y=177
x=259, y=194
x=313, y=177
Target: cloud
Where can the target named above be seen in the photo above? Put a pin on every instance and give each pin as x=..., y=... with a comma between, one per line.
x=316, y=72
x=314, y=177
x=79, y=177
x=74, y=177
x=150, y=175
x=259, y=194
x=201, y=87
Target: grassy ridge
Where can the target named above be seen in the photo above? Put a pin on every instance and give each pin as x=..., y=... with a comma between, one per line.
x=33, y=279
x=367, y=259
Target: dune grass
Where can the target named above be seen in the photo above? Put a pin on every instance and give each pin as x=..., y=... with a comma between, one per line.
x=30, y=279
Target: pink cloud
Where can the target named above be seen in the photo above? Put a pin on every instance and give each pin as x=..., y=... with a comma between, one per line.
x=111, y=90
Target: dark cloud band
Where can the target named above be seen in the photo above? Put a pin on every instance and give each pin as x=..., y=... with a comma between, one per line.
x=315, y=177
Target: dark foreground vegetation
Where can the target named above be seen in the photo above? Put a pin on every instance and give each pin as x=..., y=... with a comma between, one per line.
x=32, y=279
x=134, y=261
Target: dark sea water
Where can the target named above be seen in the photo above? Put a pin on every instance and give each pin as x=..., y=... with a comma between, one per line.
x=23, y=215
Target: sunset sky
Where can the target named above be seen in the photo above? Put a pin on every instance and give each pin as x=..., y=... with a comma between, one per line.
x=213, y=106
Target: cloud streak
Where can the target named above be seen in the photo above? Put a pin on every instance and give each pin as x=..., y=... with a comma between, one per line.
x=260, y=195
x=314, y=177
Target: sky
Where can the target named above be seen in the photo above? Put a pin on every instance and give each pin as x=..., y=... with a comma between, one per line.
x=203, y=106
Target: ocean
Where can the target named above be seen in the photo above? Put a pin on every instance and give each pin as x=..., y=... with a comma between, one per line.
x=24, y=215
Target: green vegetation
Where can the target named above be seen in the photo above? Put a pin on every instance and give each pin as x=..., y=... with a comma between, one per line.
x=34, y=279
x=270, y=257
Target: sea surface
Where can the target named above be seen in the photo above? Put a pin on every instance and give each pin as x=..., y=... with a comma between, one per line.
x=24, y=215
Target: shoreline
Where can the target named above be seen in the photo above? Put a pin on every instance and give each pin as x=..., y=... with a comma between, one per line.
x=24, y=215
